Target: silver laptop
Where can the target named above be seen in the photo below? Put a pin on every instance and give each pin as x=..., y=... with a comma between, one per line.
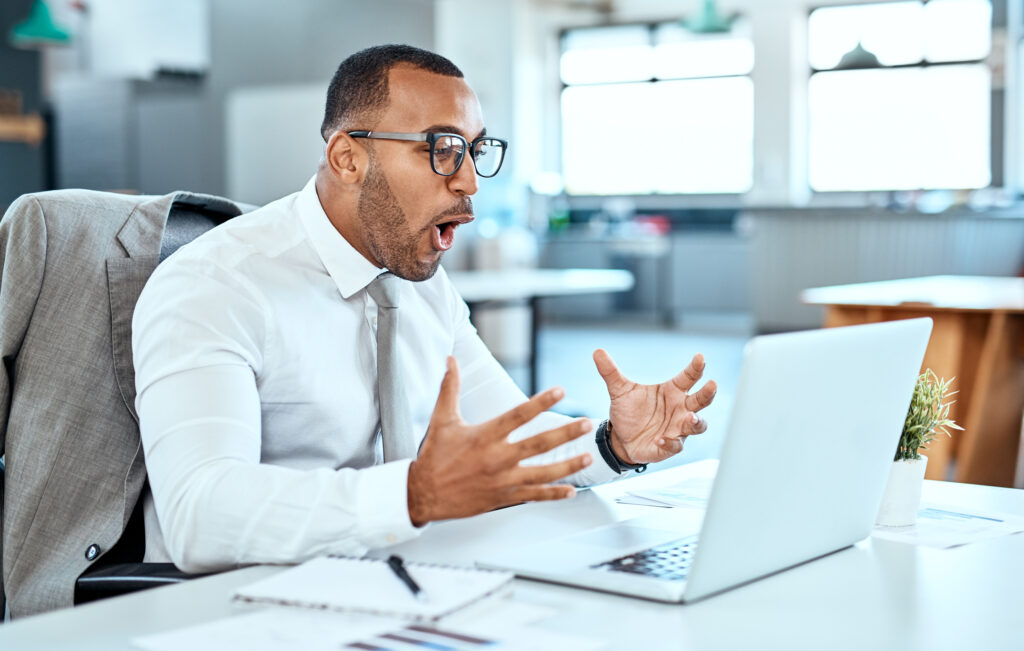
x=803, y=466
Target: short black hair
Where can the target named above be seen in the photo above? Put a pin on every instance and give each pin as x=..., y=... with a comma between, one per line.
x=359, y=87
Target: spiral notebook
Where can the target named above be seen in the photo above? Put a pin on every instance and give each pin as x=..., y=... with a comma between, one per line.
x=368, y=585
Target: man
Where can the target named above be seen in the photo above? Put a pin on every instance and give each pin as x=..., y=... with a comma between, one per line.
x=261, y=393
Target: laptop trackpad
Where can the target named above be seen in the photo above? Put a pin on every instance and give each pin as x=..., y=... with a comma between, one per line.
x=580, y=551
x=623, y=537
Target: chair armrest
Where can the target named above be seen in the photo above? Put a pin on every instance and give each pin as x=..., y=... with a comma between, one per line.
x=122, y=578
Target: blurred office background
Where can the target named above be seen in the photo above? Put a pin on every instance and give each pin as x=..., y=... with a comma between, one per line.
x=729, y=154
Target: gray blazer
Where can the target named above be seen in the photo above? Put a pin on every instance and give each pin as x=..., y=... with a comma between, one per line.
x=73, y=264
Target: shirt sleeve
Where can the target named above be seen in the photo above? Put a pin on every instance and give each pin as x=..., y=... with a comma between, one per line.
x=487, y=391
x=197, y=342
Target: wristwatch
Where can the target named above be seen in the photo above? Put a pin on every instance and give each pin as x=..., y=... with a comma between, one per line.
x=604, y=445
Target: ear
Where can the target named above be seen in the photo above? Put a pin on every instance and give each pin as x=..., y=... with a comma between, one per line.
x=346, y=158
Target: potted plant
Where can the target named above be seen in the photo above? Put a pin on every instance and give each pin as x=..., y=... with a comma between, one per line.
x=927, y=417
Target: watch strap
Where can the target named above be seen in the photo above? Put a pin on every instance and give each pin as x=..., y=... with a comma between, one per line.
x=604, y=446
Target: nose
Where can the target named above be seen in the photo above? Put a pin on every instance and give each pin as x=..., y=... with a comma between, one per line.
x=464, y=181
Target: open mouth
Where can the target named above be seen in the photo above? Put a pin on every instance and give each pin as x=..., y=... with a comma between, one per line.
x=444, y=233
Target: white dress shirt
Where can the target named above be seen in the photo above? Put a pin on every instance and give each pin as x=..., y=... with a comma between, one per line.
x=255, y=361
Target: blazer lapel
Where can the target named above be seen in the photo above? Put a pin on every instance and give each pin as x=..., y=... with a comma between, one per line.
x=141, y=236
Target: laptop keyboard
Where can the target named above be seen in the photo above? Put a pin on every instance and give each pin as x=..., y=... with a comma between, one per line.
x=668, y=562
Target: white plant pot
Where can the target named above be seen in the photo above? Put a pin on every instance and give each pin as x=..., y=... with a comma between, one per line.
x=902, y=493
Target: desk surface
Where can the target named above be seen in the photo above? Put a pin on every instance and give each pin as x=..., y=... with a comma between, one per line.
x=976, y=338
x=875, y=595
x=519, y=284
x=937, y=292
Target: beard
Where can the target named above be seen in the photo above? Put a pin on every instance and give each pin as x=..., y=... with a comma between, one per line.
x=389, y=235
x=387, y=229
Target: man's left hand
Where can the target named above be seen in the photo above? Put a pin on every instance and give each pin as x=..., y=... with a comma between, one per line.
x=650, y=421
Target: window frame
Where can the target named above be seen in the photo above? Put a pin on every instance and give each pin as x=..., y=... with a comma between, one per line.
x=997, y=116
x=652, y=199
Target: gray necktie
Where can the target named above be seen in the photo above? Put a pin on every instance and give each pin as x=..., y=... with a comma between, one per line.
x=396, y=429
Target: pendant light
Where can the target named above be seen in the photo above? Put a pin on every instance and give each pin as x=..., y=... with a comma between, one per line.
x=709, y=21
x=38, y=29
x=857, y=59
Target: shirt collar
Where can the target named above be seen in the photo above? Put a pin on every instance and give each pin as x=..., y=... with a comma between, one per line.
x=348, y=268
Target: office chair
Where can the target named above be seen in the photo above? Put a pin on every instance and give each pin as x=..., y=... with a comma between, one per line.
x=55, y=247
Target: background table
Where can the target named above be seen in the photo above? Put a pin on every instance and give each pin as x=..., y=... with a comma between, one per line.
x=978, y=338
x=876, y=595
x=482, y=289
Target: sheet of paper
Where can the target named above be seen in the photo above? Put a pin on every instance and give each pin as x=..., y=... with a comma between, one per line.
x=279, y=628
x=942, y=526
x=328, y=583
x=641, y=501
x=272, y=629
x=443, y=638
x=692, y=492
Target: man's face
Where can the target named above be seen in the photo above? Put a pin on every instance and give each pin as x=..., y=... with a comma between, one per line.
x=409, y=214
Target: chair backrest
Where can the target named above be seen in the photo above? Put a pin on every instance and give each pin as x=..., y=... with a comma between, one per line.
x=188, y=219
x=71, y=268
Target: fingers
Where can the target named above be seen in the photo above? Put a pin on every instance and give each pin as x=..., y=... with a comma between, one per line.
x=541, y=493
x=686, y=423
x=523, y=413
x=554, y=471
x=700, y=399
x=671, y=446
x=699, y=426
x=613, y=378
x=447, y=405
x=551, y=439
x=683, y=425
x=688, y=377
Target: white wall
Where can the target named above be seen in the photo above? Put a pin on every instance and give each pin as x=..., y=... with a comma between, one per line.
x=182, y=125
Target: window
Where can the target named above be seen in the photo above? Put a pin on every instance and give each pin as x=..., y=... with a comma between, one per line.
x=657, y=109
x=900, y=96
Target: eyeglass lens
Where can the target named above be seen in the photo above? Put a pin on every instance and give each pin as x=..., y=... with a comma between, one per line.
x=450, y=150
x=487, y=155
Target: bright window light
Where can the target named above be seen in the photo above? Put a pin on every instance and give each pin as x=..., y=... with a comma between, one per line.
x=679, y=53
x=656, y=110
x=607, y=55
x=893, y=32
x=957, y=30
x=903, y=129
x=686, y=136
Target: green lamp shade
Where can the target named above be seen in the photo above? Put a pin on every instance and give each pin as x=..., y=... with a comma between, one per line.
x=857, y=59
x=38, y=29
x=709, y=21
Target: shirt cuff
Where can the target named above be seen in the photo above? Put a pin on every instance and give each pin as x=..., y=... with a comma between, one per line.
x=599, y=471
x=383, y=505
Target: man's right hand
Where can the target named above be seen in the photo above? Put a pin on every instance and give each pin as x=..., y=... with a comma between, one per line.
x=464, y=469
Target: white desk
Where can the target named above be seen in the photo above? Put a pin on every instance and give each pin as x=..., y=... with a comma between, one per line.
x=501, y=287
x=877, y=595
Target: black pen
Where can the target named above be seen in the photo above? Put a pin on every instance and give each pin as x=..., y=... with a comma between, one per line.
x=397, y=566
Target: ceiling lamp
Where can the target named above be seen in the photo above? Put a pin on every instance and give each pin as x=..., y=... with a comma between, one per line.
x=857, y=59
x=38, y=29
x=709, y=21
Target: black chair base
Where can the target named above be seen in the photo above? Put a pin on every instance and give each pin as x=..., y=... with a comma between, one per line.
x=122, y=578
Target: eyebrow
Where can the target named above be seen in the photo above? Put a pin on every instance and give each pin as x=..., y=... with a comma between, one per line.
x=448, y=128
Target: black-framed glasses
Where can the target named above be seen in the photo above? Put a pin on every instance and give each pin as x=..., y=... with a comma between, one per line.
x=448, y=149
